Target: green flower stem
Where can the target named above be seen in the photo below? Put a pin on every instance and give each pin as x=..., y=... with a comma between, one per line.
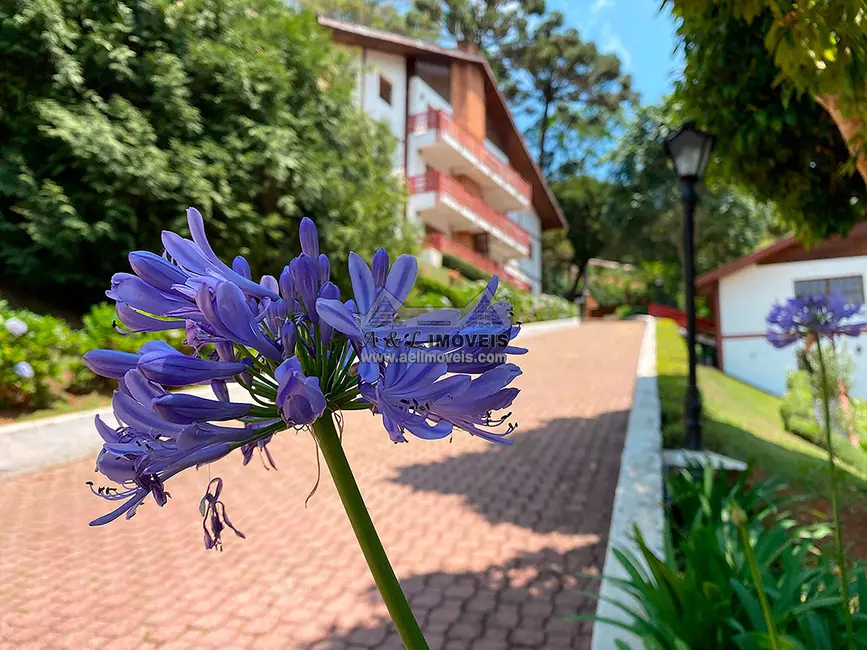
x=760, y=586
x=835, y=507
x=365, y=533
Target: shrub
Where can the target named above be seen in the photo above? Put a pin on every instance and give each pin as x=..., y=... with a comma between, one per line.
x=627, y=311
x=799, y=417
x=99, y=332
x=118, y=115
x=797, y=408
x=608, y=294
x=703, y=594
x=531, y=307
x=31, y=352
x=432, y=291
x=839, y=368
x=467, y=270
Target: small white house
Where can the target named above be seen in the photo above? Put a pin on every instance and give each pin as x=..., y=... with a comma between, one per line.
x=741, y=293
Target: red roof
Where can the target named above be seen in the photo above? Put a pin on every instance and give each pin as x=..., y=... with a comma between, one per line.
x=786, y=248
x=709, y=277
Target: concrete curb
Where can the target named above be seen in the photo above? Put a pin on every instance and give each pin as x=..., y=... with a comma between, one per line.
x=34, y=444
x=638, y=498
x=545, y=326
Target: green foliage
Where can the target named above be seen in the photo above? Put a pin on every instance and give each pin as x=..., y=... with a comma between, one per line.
x=467, y=270
x=774, y=142
x=571, y=93
x=558, y=266
x=819, y=47
x=608, y=294
x=797, y=408
x=531, y=307
x=584, y=200
x=839, y=368
x=743, y=422
x=700, y=496
x=704, y=593
x=456, y=292
x=379, y=14
x=433, y=291
x=488, y=25
x=118, y=115
x=99, y=331
x=41, y=347
x=616, y=287
x=798, y=413
x=627, y=311
x=643, y=217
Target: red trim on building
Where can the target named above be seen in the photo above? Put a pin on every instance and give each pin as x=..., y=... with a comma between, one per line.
x=443, y=124
x=443, y=184
x=444, y=244
x=546, y=206
x=702, y=325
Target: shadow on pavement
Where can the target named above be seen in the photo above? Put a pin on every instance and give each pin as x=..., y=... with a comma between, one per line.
x=526, y=602
x=558, y=478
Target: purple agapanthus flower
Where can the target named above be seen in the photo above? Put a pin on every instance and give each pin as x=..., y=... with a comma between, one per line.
x=299, y=350
x=352, y=316
x=299, y=397
x=819, y=316
x=425, y=400
x=145, y=449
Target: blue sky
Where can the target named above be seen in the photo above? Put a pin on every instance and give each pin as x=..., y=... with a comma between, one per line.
x=635, y=30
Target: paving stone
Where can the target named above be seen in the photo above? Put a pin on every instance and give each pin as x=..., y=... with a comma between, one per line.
x=486, y=539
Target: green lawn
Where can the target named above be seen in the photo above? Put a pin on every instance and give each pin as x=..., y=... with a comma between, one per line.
x=742, y=422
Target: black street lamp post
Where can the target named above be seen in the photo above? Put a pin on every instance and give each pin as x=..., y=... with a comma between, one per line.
x=690, y=150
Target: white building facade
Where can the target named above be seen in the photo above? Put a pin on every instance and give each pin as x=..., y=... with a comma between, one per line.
x=742, y=293
x=454, y=137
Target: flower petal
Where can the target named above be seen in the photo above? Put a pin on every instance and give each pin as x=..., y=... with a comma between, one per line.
x=402, y=277
x=362, y=283
x=336, y=314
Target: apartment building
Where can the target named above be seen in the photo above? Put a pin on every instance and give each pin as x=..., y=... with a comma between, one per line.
x=472, y=182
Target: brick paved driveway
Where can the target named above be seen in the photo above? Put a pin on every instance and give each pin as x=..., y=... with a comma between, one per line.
x=487, y=540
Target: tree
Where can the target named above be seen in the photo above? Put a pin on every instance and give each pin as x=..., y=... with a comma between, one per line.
x=570, y=91
x=584, y=200
x=117, y=115
x=487, y=25
x=557, y=263
x=819, y=47
x=773, y=140
x=634, y=215
x=643, y=218
x=380, y=14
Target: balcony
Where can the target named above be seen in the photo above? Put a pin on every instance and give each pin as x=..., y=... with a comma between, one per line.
x=445, y=204
x=447, y=246
x=448, y=147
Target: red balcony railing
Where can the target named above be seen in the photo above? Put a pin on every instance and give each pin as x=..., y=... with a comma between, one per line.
x=440, y=183
x=448, y=246
x=440, y=121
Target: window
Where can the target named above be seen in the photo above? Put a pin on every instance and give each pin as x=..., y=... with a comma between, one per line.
x=850, y=287
x=482, y=243
x=385, y=90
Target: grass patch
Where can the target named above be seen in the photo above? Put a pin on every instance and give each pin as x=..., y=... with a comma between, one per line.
x=743, y=422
